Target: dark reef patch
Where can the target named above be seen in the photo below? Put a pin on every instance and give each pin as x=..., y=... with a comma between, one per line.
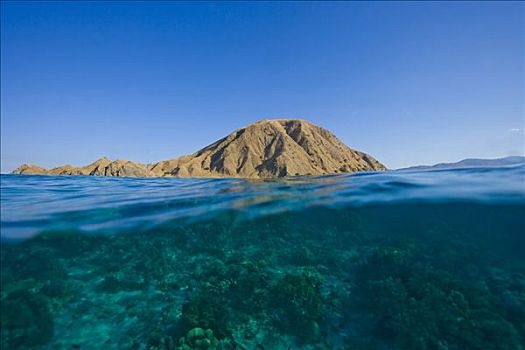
x=27, y=320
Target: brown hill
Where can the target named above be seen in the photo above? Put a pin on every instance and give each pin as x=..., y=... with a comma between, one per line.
x=101, y=167
x=265, y=149
x=29, y=169
x=271, y=148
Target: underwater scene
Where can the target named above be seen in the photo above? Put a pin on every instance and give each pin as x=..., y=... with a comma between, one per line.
x=415, y=259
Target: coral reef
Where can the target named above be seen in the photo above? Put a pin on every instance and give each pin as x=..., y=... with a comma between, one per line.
x=27, y=320
x=200, y=339
x=319, y=279
x=422, y=306
x=299, y=304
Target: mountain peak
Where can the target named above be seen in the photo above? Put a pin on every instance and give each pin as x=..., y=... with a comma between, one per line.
x=280, y=121
x=271, y=148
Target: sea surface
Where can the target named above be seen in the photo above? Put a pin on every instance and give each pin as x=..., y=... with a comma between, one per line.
x=414, y=259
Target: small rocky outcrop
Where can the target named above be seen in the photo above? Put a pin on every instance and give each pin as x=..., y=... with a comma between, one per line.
x=29, y=169
x=127, y=168
x=98, y=167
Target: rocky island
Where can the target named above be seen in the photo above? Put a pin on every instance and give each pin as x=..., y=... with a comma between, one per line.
x=264, y=149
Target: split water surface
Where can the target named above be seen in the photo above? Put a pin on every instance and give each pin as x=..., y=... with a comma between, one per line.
x=431, y=259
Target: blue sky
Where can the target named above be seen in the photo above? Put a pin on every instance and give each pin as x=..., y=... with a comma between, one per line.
x=407, y=82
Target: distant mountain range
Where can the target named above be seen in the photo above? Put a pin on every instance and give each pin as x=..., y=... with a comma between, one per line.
x=264, y=149
x=473, y=162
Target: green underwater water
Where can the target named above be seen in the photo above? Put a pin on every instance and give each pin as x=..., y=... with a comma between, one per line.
x=401, y=276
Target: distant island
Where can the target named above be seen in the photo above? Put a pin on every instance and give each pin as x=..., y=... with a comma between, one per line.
x=473, y=162
x=264, y=149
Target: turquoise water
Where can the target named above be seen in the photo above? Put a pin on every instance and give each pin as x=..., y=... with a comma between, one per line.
x=398, y=260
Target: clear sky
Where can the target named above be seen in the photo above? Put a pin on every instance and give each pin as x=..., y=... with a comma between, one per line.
x=410, y=83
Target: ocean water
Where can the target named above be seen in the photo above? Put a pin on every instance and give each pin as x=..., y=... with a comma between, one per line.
x=429, y=259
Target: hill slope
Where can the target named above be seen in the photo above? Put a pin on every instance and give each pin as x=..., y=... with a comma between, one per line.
x=473, y=162
x=265, y=149
x=272, y=148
